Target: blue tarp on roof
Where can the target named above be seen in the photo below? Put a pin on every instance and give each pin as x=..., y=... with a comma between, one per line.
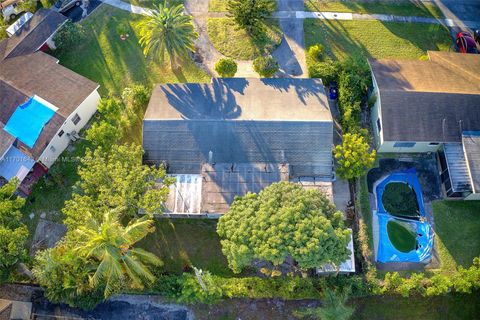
x=15, y=164
x=28, y=120
x=424, y=233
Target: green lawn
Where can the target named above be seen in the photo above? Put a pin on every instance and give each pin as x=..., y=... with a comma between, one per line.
x=401, y=237
x=183, y=243
x=376, y=39
x=114, y=63
x=450, y=307
x=217, y=5
x=399, y=199
x=457, y=228
x=151, y=3
x=398, y=8
x=235, y=43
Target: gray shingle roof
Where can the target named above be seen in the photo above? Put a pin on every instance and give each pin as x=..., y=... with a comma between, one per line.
x=431, y=101
x=184, y=138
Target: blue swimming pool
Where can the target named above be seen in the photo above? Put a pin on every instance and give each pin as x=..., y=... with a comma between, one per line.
x=28, y=120
x=424, y=234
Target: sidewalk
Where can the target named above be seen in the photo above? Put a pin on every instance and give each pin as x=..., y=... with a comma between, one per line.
x=324, y=15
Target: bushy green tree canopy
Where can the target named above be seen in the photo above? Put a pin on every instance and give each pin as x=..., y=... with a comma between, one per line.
x=117, y=180
x=353, y=156
x=284, y=220
x=249, y=14
x=13, y=233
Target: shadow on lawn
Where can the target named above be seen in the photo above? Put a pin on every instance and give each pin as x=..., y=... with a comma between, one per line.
x=399, y=8
x=457, y=225
x=334, y=37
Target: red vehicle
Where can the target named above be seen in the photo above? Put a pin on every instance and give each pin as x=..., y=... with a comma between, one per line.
x=466, y=42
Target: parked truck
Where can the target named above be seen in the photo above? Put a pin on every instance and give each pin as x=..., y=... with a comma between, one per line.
x=10, y=9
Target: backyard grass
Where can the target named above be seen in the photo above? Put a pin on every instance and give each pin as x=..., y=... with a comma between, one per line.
x=399, y=199
x=398, y=8
x=183, y=243
x=451, y=306
x=457, y=228
x=235, y=43
x=376, y=39
x=401, y=237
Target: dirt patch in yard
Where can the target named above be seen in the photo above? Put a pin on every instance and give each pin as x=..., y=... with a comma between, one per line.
x=47, y=234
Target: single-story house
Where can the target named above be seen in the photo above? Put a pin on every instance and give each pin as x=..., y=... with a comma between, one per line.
x=432, y=106
x=232, y=136
x=43, y=105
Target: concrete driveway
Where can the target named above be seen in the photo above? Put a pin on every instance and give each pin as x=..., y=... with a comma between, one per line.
x=291, y=52
x=78, y=13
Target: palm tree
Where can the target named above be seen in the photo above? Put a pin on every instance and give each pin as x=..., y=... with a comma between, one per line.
x=111, y=244
x=169, y=31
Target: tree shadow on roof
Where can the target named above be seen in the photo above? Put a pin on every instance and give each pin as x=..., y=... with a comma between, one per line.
x=203, y=101
x=303, y=88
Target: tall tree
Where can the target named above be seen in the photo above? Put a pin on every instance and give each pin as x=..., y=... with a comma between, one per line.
x=96, y=260
x=353, y=156
x=168, y=31
x=249, y=14
x=283, y=221
x=110, y=244
x=65, y=276
x=116, y=179
x=13, y=233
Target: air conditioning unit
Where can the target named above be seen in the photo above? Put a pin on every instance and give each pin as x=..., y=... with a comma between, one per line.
x=73, y=135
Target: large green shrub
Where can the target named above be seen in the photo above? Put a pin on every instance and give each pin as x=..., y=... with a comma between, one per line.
x=250, y=14
x=353, y=82
x=265, y=66
x=316, y=53
x=68, y=35
x=271, y=237
x=226, y=67
x=326, y=70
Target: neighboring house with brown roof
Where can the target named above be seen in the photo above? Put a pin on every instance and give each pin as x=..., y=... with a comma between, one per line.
x=43, y=105
x=432, y=106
